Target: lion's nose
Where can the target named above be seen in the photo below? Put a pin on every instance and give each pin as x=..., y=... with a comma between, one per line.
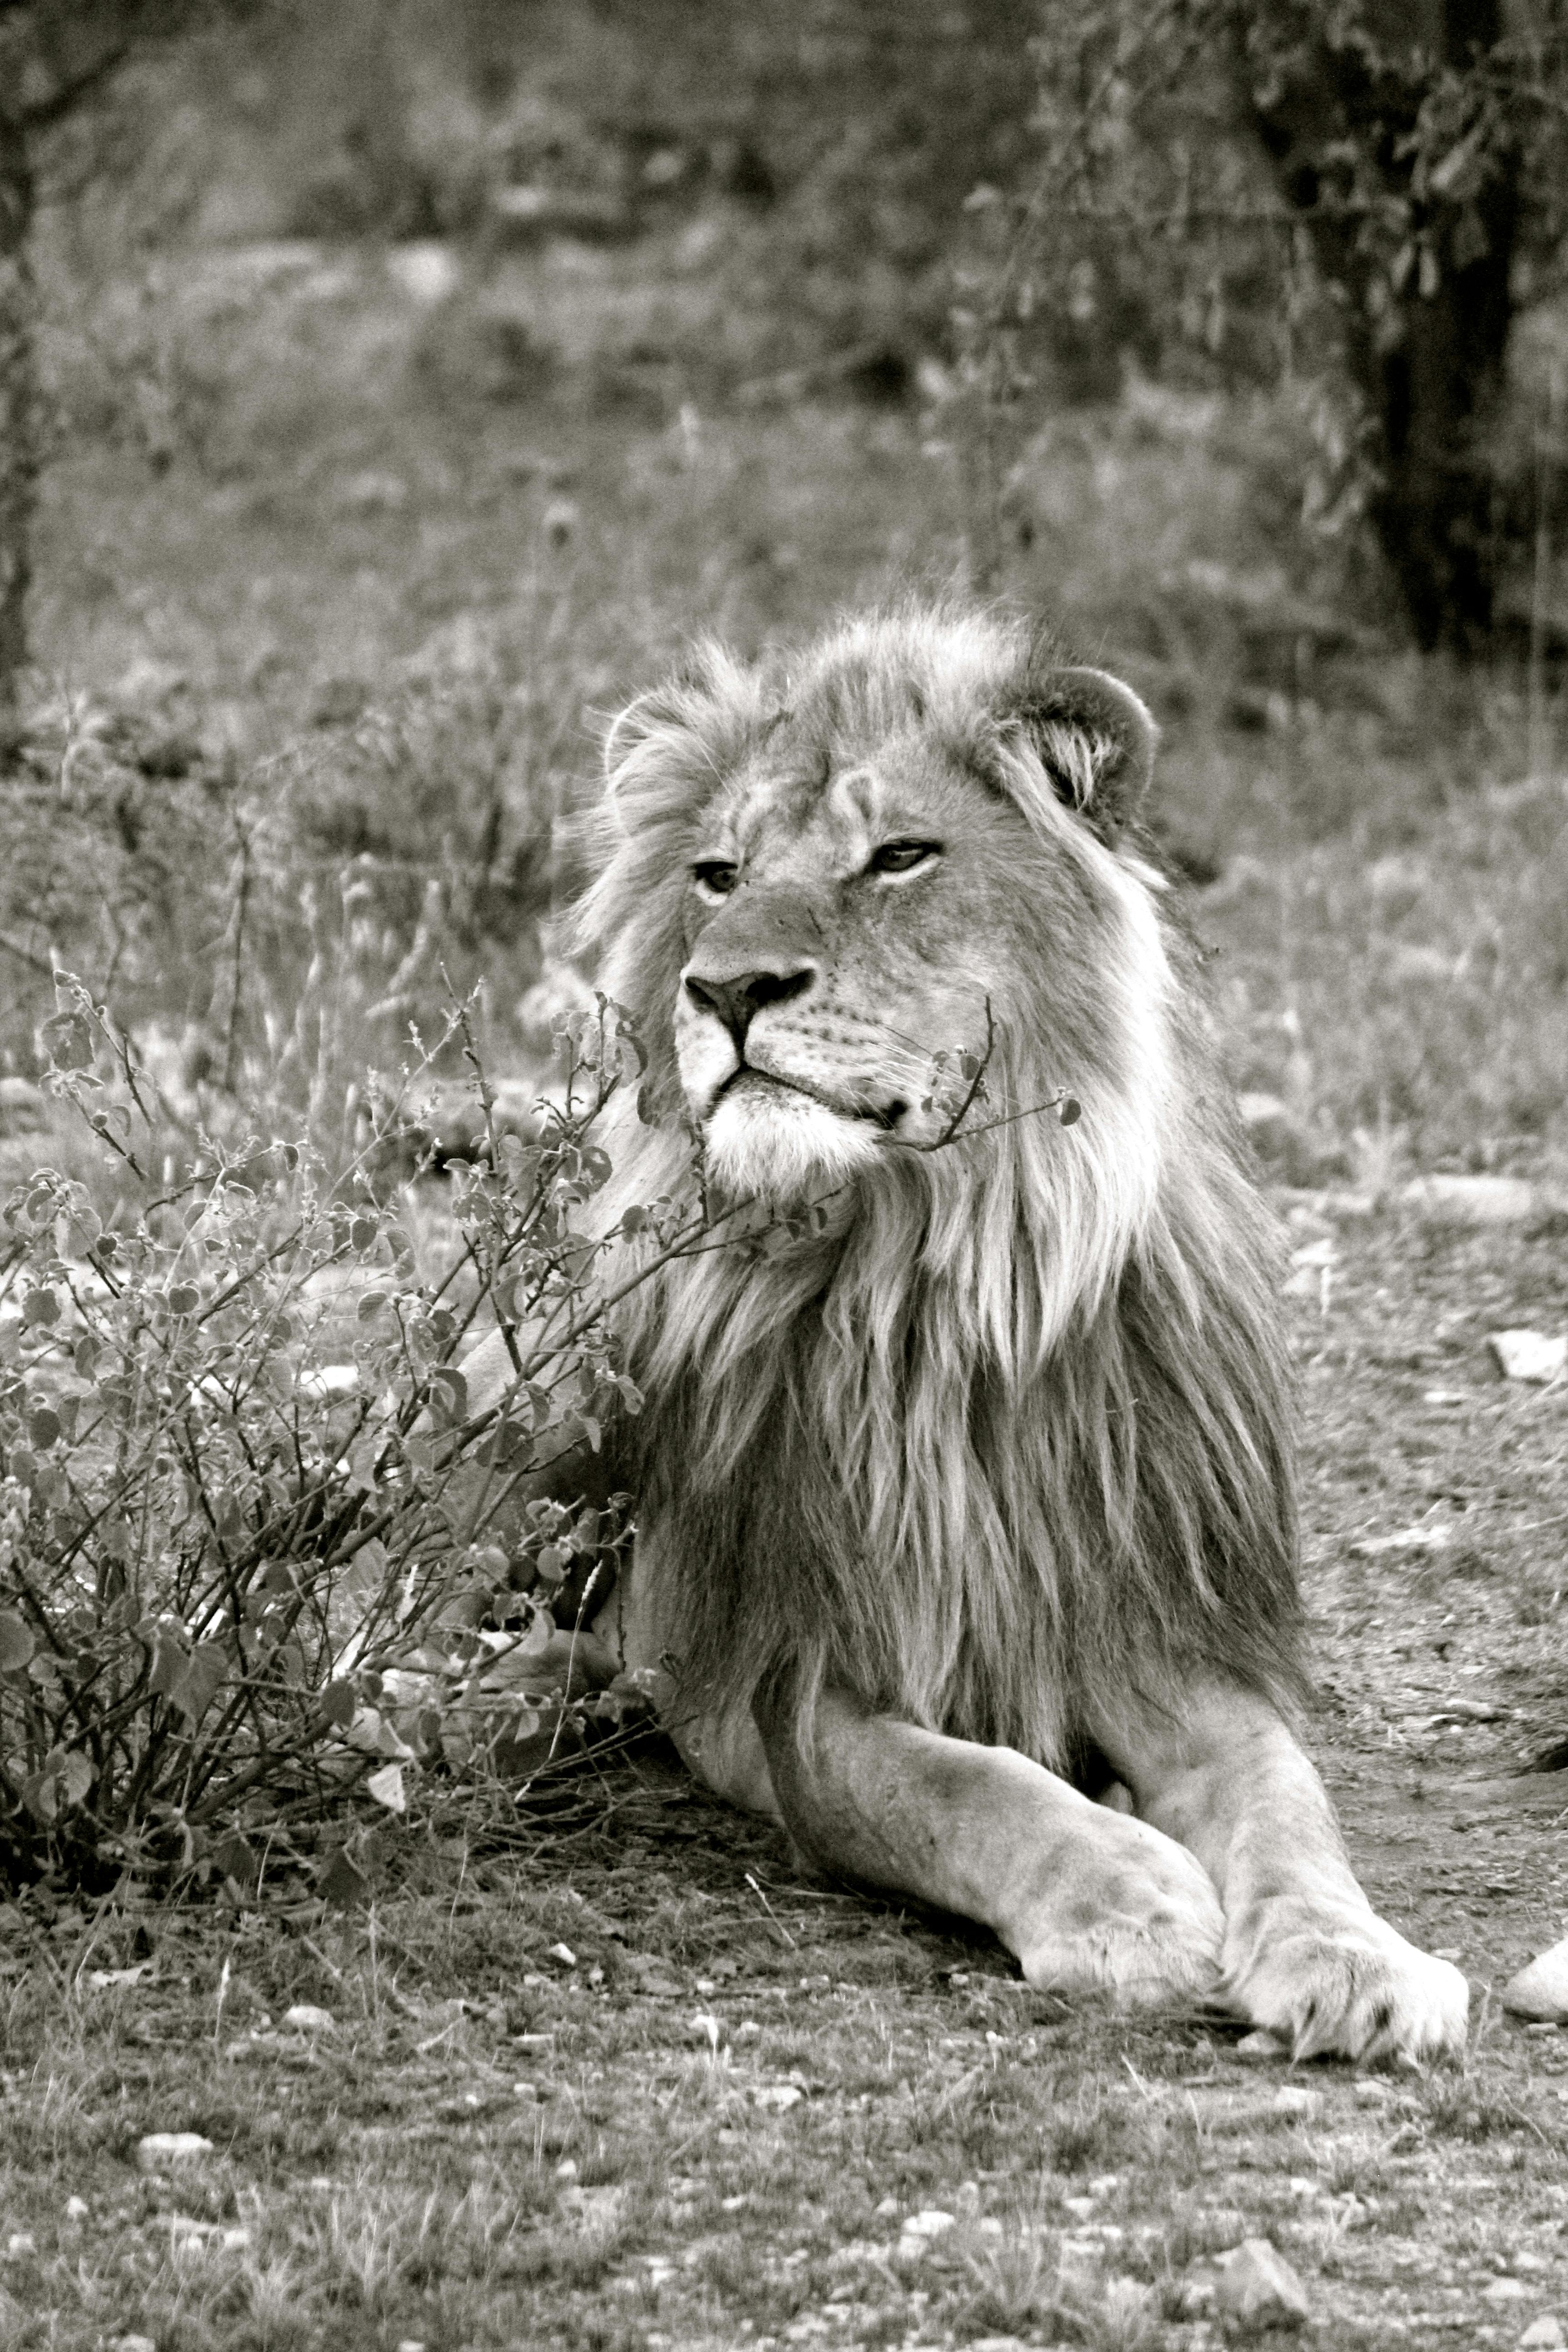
x=737, y=1002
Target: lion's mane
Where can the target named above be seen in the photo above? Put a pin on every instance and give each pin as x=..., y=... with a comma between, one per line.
x=1008, y=1440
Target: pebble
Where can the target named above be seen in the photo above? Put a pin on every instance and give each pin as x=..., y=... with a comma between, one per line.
x=411, y=2344
x=1530, y=1356
x=1257, y=2287
x=75, y=2208
x=564, y=1954
x=135, y=2344
x=1541, y=1990
x=1506, y=2290
x=1473, y=1199
x=1542, y=2334
x=1295, y=2099
x=778, y=2096
x=1369, y=2091
x=160, y=2148
x=305, y=2018
x=1260, y=2045
x=930, y=2223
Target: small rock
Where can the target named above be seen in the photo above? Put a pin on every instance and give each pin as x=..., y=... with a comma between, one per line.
x=159, y=2150
x=564, y=1954
x=20, y=2242
x=1295, y=2099
x=1446, y=1400
x=1473, y=1710
x=566, y=2169
x=1369, y=2091
x=1529, y=1356
x=1541, y=1990
x=305, y=2018
x=75, y=2208
x=1506, y=2290
x=525, y=2090
x=1082, y=2206
x=1542, y=2334
x=1430, y=1536
x=1472, y=1200
x=135, y=2344
x=888, y=2209
x=1527, y=2264
x=596, y=2209
x=923, y=2229
x=778, y=2096
x=1455, y=1952
x=410, y=2343
x=1260, y=2045
x=1257, y=2286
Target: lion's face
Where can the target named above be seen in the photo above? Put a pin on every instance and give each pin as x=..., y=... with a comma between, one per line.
x=840, y=932
x=838, y=893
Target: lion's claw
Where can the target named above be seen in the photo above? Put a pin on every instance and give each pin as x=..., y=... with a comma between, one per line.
x=1352, y=1990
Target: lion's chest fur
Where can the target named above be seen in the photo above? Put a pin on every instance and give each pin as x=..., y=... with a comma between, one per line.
x=844, y=1483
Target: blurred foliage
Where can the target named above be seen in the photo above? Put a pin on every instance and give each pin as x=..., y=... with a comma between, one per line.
x=1357, y=194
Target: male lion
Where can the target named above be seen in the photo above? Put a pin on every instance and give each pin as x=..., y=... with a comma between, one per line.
x=969, y=1495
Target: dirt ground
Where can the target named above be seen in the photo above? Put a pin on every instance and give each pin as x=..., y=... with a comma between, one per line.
x=634, y=2084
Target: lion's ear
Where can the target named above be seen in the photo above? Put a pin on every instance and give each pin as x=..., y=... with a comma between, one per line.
x=1096, y=742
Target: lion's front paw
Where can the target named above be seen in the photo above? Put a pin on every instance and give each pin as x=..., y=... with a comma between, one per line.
x=1351, y=1989
x=1141, y=1921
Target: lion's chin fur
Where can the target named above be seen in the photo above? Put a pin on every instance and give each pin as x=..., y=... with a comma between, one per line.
x=783, y=1148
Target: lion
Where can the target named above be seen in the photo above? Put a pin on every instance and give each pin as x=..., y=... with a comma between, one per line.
x=964, y=1488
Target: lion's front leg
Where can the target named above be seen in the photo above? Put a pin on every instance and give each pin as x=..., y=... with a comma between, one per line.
x=1305, y=1954
x=1087, y=1899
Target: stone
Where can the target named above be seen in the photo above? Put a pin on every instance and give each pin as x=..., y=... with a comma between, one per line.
x=1295, y=2099
x=1260, y=2045
x=75, y=2208
x=1472, y=1200
x=923, y=2229
x=1506, y=2290
x=1541, y=1990
x=132, y=2343
x=305, y=2018
x=1529, y=1356
x=1542, y=2334
x=778, y=2096
x=158, y=2150
x=564, y=1954
x=1257, y=2287
x=599, y=2209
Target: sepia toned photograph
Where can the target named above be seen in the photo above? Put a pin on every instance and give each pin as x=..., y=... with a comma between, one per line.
x=784, y=1175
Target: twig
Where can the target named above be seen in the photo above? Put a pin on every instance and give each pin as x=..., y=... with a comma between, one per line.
x=773, y=1915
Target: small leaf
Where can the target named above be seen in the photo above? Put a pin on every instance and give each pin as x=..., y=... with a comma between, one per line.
x=43, y=1427
x=41, y=1307
x=372, y=1303
x=448, y=1396
x=386, y=1788
x=184, y=1298
x=76, y=1777
x=363, y=1234
x=17, y=1641
x=206, y=1670
x=338, y=1705
x=341, y=1882
x=67, y=1041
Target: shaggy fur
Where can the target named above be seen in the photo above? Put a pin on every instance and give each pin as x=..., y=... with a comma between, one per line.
x=1007, y=1439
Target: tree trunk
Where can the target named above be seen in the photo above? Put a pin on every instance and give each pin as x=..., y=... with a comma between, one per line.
x=19, y=399
x=1424, y=342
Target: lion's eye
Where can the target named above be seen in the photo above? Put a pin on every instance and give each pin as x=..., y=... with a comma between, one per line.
x=716, y=875
x=901, y=856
